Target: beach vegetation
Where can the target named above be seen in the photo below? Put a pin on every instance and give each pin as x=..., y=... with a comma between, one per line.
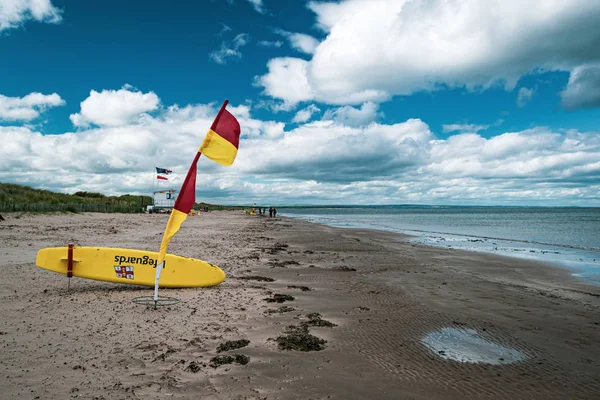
x=20, y=198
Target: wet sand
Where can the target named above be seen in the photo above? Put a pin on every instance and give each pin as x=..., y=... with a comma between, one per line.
x=383, y=293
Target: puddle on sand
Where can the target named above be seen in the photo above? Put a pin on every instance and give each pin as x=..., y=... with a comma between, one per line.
x=465, y=345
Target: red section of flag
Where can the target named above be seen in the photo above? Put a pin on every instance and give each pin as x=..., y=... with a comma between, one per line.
x=228, y=127
x=162, y=178
x=187, y=195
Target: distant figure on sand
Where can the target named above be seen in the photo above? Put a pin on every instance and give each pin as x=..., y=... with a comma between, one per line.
x=270, y=212
x=274, y=212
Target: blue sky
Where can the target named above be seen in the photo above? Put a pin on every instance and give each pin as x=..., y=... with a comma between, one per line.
x=345, y=102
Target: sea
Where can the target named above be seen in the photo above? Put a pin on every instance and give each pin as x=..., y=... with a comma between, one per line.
x=569, y=237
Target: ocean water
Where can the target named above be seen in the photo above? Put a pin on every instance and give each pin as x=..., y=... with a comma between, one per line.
x=566, y=236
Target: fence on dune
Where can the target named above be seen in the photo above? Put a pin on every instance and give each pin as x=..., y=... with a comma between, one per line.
x=75, y=207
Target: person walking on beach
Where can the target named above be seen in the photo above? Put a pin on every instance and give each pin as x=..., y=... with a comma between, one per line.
x=274, y=212
x=270, y=212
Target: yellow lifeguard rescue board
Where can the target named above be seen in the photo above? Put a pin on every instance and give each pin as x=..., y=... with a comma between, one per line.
x=133, y=267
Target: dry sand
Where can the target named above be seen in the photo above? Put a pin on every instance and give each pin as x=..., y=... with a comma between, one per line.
x=95, y=343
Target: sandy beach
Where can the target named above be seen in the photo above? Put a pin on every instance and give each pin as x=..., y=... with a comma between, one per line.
x=383, y=294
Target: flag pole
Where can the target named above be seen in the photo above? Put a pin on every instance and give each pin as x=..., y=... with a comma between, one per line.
x=159, y=267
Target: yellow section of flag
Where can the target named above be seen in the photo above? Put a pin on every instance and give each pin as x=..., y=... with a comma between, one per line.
x=218, y=149
x=175, y=220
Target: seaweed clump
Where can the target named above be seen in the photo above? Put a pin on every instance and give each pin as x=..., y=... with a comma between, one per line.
x=282, y=264
x=232, y=345
x=344, y=268
x=298, y=338
x=226, y=359
x=303, y=288
x=256, y=278
x=280, y=310
x=279, y=298
x=314, y=319
x=194, y=367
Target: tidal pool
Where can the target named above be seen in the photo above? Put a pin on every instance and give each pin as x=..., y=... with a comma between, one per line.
x=465, y=345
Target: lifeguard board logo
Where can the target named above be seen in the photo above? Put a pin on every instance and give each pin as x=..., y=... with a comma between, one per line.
x=123, y=271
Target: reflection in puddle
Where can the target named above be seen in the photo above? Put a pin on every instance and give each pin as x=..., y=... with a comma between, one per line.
x=465, y=345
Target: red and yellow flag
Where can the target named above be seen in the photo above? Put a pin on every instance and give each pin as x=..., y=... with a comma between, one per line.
x=220, y=145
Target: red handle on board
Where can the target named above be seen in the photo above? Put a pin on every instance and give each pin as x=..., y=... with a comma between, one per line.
x=70, y=260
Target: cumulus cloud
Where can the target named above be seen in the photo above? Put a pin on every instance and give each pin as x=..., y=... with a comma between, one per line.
x=325, y=161
x=114, y=107
x=376, y=49
x=120, y=159
x=230, y=49
x=352, y=116
x=27, y=108
x=14, y=13
x=524, y=96
x=287, y=80
x=583, y=89
x=300, y=41
x=305, y=114
x=329, y=152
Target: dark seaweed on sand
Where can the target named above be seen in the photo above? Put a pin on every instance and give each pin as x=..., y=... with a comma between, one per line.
x=232, y=344
x=344, y=268
x=314, y=319
x=225, y=359
x=256, y=278
x=194, y=367
x=281, y=310
x=298, y=338
x=279, y=298
x=303, y=288
x=282, y=264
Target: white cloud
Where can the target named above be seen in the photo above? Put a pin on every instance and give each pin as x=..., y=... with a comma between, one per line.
x=224, y=29
x=326, y=161
x=13, y=13
x=330, y=152
x=230, y=49
x=524, y=96
x=287, y=80
x=267, y=43
x=27, y=108
x=258, y=5
x=117, y=159
x=115, y=107
x=305, y=114
x=464, y=128
x=375, y=49
x=583, y=89
x=300, y=41
x=351, y=116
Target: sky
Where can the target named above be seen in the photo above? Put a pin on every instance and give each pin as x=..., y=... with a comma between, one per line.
x=456, y=102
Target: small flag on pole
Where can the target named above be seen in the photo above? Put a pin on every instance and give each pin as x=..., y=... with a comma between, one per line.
x=163, y=171
x=220, y=145
x=162, y=178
